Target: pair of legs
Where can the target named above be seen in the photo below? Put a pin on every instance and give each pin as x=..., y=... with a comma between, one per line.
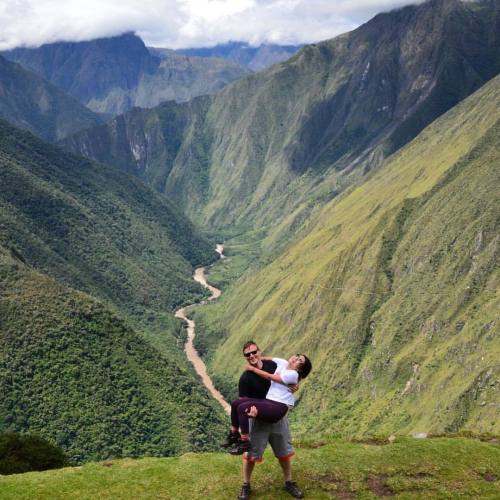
x=268, y=411
x=248, y=467
x=278, y=436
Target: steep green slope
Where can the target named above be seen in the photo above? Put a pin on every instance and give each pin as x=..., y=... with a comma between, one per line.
x=393, y=291
x=71, y=365
x=409, y=468
x=278, y=144
x=112, y=75
x=29, y=102
x=72, y=371
x=96, y=228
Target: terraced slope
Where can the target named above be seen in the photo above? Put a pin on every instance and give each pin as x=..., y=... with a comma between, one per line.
x=393, y=291
x=92, y=266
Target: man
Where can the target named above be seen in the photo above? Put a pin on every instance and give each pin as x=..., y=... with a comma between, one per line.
x=261, y=433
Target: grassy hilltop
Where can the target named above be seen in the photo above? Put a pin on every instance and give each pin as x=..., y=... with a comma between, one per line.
x=409, y=468
x=392, y=290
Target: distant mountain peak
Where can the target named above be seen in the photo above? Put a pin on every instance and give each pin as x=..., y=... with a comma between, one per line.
x=255, y=58
x=113, y=74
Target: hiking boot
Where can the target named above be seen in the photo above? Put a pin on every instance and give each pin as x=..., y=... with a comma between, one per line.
x=245, y=492
x=292, y=488
x=231, y=439
x=242, y=446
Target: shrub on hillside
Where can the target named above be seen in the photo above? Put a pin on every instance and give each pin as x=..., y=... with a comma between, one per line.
x=25, y=453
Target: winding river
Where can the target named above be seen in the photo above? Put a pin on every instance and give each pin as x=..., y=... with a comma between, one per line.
x=191, y=353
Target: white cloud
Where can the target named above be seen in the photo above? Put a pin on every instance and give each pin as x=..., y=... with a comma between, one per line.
x=183, y=23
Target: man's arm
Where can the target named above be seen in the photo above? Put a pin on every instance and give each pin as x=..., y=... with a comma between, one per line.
x=276, y=377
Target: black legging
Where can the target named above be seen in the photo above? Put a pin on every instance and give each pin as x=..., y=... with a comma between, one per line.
x=269, y=411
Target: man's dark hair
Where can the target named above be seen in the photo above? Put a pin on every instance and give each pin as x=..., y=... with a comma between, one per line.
x=248, y=344
x=305, y=368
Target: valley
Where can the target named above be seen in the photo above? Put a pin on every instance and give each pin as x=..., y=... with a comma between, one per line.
x=158, y=209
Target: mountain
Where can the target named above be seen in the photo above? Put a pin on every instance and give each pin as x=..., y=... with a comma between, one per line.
x=254, y=58
x=92, y=265
x=392, y=290
x=29, y=102
x=271, y=148
x=111, y=75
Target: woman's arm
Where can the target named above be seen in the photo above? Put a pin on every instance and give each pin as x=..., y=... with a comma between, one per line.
x=266, y=358
x=268, y=376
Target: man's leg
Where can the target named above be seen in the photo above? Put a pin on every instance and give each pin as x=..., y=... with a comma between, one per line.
x=286, y=466
x=280, y=440
x=247, y=470
x=259, y=435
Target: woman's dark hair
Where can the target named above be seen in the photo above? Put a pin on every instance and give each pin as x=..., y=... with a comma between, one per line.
x=248, y=344
x=305, y=368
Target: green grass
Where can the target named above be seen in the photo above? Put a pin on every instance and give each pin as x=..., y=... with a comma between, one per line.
x=408, y=468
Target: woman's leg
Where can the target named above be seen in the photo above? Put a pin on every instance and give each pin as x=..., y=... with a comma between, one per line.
x=269, y=411
x=234, y=413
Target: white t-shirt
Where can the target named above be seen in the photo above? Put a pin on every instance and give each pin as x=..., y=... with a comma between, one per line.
x=279, y=392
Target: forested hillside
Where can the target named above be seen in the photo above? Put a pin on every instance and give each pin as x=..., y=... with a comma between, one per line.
x=393, y=291
x=101, y=373
x=30, y=102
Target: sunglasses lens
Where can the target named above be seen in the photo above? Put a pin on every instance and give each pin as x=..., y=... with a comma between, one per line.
x=248, y=354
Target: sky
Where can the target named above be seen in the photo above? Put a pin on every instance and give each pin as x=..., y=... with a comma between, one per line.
x=184, y=23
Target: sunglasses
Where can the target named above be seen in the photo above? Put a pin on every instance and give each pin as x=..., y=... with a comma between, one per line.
x=250, y=353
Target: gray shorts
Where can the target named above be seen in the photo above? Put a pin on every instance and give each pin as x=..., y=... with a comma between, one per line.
x=277, y=435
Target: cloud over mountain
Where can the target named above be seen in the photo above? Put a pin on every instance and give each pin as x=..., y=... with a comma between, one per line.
x=183, y=23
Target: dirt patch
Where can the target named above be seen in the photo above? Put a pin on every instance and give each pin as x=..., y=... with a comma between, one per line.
x=378, y=486
x=490, y=477
x=336, y=487
x=107, y=463
x=372, y=441
x=419, y=475
x=310, y=446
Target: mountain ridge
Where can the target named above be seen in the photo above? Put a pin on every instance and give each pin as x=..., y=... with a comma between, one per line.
x=284, y=139
x=112, y=75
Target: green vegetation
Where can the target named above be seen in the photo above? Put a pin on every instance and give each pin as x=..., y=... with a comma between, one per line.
x=30, y=102
x=96, y=229
x=408, y=468
x=75, y=373
x=92, y=265
x=25, y=453
x=393, y=291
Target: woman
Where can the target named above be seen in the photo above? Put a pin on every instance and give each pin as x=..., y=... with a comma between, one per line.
x=278, y=400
